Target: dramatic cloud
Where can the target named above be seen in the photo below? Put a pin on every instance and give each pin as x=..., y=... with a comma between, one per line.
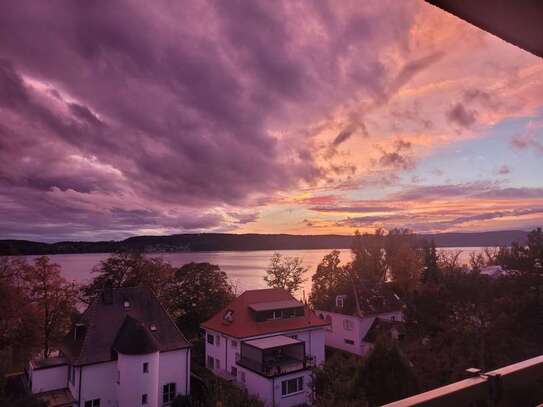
x=130, y=117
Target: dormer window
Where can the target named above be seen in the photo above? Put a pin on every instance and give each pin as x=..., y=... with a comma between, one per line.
x=152, y=328
x=126, y=304
x=228, y=316
x=340, y=301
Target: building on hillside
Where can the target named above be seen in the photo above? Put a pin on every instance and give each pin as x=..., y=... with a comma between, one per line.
x=494, y=271
x=268, y=342
x=358, y=318
x=124, y=351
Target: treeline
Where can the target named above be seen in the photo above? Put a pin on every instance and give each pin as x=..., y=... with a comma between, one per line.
x=456, y=317
x=240, y=242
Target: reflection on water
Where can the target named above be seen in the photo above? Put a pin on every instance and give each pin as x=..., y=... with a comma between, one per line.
x=245, y=269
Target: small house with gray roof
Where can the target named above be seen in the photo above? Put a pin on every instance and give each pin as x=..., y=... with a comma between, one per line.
x=124, y=351
x=358, y=317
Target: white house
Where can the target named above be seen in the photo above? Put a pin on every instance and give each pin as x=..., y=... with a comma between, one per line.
x=266, y=341
x=358, y=318
x=125, y=351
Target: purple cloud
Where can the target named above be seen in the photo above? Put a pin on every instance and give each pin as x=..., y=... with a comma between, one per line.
x=121, y=117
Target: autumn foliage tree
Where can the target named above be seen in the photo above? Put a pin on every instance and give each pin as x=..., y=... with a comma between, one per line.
x=54, y=298
x=285, y=272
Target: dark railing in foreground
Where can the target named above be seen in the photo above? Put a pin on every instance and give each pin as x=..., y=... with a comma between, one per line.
x=506, y=386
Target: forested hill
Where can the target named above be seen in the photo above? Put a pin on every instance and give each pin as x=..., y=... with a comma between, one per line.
x=231, y=242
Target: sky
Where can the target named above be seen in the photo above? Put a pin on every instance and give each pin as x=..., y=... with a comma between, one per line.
x=134, y=117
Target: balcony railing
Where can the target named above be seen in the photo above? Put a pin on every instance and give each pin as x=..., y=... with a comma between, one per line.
x=276, y=367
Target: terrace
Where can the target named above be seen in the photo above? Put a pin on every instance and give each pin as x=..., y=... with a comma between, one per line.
x=274, y=356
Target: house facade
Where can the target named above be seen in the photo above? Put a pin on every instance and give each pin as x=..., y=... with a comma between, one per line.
x=358, y=318
x=125, y=351
x=268, y=342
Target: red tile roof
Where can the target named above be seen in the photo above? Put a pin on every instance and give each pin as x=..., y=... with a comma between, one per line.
x=244, y=325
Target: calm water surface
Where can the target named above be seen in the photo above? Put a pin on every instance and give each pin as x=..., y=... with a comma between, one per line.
x=245, y=269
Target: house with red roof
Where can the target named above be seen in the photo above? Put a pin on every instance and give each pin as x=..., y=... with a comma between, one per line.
x=124, y=351
x=266, y=341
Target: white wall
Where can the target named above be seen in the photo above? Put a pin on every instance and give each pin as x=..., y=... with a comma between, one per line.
x=173, y=369
x=134, y=382
x=269, y=389
x=99, y=381
x=51, y=378
x=335, y=337
x=262, y=386
x=337, y=334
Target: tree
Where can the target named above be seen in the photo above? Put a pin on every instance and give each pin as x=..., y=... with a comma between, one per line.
x=130, y=269
x=285, y=272
x=327, y=280
x=336, y=383
x=403, y=259
x=54, y=297
x=196, y=292
x=387, y=375
x=369, y=265
x=431, y=272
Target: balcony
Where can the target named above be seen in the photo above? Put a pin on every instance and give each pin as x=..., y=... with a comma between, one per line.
x=274, y=356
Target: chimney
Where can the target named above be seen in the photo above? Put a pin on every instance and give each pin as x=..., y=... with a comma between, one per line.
x=107, y=293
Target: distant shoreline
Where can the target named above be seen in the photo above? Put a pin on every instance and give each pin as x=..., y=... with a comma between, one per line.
x=228, y=242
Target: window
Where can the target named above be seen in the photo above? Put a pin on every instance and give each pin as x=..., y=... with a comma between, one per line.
x=234, y=344
x=210, y=339
x=146, y=367
x=348, y=341
x=242, y=375
x=234, y=371
x=126, y=304
x=217, y=363
x=92, y=403
x=292, y=386
x=144, y=399
x=210, y=363
x=347, y=324
x=168, y=392
x=340, y=301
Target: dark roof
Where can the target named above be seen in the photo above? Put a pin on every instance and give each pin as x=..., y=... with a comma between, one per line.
x=48, y=363
x=372, y=300
x=381, y=327
x=103, y=322
x=243, y=323
x=134, y=338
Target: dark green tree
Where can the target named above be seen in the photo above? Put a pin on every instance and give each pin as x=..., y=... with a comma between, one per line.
x=196, y=292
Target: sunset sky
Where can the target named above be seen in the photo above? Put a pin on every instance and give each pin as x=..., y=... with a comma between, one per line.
x=128, y=118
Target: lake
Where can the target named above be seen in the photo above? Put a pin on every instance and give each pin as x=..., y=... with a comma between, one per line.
x=245, y=269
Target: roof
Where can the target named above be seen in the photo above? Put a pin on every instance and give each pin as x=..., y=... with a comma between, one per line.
x=134, y=338
x=517, y=22
x=48, y=362
x=57, y=398
x=271, y=342
x=380, y=327
x=103, y=322
x=273, y=305
x=375, y=300
x=378, y=299
x=243, y=324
